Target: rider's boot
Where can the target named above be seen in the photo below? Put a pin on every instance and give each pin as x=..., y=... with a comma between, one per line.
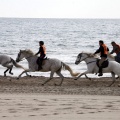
x=100, y=71
x=40, y=65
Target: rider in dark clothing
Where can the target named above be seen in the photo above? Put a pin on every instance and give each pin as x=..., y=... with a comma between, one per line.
x=116, y=49
x=103, y=50
x=42, y=52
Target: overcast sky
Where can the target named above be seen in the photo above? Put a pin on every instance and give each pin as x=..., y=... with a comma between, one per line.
x=60, y=8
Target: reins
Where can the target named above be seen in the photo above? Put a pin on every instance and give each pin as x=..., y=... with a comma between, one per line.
x=85, y=58
x=90, y=62
x=26, y=58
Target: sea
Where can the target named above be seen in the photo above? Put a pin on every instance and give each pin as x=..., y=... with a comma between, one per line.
x=64, y=39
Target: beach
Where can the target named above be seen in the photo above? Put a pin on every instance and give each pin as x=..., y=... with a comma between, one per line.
x=64, y=39
x=84, y=99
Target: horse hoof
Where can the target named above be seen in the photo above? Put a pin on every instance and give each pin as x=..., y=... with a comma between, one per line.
x=75, y=79
x=56, y=85
x=42, y=84
x=90, y=79
x=11, y=73
x=118, y=85
x=17, y=78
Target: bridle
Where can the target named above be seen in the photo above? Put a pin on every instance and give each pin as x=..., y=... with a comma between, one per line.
x=19, y=54
x=80, y=55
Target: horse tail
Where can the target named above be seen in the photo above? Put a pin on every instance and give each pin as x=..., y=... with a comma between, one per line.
x=67, y=67
x=17, y=65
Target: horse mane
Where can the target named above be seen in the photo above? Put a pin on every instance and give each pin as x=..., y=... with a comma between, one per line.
x=91, y=54
x=29, y=52
x=97, y=56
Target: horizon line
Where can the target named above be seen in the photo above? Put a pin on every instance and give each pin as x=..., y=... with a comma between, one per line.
x=56, y=18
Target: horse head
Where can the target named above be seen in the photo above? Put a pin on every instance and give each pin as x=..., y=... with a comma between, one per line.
x=80, y=57
x=24, y=54
x=83, y=56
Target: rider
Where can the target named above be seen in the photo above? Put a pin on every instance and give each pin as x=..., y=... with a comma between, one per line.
x=42, y=52
x=103, y=50
x=116, y=49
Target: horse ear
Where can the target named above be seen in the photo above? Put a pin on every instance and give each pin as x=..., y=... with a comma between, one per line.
x=21, y=50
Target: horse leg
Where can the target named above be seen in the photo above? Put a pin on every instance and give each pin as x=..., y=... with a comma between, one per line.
x=113, y=78
x=87, y=77
x=11, y=70
x=9, y=67
x=62, y=77
x=84, y=73
x=5, y=72
x=51, y=76
x=25, y=71
x=27, y=74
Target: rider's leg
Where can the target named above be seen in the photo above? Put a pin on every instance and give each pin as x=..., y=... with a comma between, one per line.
x=40, y=63
x=117, y=57
x=100, y=66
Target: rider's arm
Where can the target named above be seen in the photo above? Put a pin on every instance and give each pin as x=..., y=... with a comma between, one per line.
x=38, y=52
x=114, y=48
x=98, y=51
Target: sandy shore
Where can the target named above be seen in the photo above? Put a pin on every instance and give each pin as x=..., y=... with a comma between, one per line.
x=82, y=99
x=58, y=107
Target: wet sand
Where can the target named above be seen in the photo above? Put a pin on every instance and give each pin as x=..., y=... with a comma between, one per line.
x=82, y=86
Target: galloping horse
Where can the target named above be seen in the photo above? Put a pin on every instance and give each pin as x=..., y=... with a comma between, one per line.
x=113, y=66
x=53, y=65
x=8, y=62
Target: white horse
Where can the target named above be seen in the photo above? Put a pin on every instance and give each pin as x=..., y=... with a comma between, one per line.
x=53, y=65
x=8, y=62
x=113, y=66
x=111, y=57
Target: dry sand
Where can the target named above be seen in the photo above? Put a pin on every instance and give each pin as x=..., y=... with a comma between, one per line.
x=83, y=99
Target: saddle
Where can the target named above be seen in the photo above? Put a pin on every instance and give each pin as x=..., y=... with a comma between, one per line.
x=42, y=62
x=104, y=64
